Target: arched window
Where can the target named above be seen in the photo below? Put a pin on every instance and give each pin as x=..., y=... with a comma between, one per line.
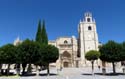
x=88, y=19
x=65, y=42
x=89, y=28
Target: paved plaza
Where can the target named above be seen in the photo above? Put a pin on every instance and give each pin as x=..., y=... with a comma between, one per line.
x=72, y=73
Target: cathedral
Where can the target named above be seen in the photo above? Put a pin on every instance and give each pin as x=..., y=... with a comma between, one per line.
x=72, y=50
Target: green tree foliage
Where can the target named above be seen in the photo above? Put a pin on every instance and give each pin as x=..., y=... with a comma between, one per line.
x=111, y=52
x=39, y=33
x=44, y=34
x=7, y=55
x=28, y=52
x=123, y=51
x=92, y=55
x=50, y=55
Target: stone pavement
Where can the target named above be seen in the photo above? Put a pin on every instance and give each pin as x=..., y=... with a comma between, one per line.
x=72, y=73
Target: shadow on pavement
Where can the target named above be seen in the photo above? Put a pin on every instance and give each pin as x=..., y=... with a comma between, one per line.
x=33, y=74
x=86, y=74
x=51, y=74
x=28, y=74
x=107, y=74
x=110, y=74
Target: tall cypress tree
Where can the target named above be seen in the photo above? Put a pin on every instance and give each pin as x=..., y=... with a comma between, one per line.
x=39, y=33
x=44, y=34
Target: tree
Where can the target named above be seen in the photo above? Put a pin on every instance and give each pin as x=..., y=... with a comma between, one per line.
x=111, y=52
x=123, y=53
x=1, y=59
x=8, y=55
x=50, y=55
x=92, y=55
x=39, y=33
x=28, y=52
x=44, y=34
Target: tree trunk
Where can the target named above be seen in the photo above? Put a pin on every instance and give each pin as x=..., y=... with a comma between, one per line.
x=0, y=68
x=29, y=68
x=18, y=68
x=113, y=64
x=103, y=67
x=23, y=66
x=92, y=66
x=48, y=69
x=8, y=69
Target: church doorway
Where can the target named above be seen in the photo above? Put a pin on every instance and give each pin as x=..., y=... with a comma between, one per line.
x=65, y=64
x=66, y=59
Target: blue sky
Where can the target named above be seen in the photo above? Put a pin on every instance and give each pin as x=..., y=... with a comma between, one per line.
x=20, y=18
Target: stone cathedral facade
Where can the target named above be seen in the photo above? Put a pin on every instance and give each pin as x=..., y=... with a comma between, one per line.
x=72, y=50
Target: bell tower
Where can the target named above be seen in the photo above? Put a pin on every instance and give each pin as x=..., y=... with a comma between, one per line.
x=88, y=37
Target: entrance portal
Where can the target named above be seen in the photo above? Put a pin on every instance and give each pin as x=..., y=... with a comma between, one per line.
x=65, y=64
